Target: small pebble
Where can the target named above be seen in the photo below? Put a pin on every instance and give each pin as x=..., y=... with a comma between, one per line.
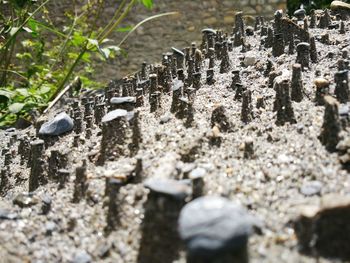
x=311, y=188
x=121, y=100
x=174, y=188
x=114, y=114
x=249, y=59
x=7, y=215
x=82, y=257
x=165, y=118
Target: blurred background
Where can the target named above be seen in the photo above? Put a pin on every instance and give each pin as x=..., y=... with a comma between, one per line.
x=156, y=37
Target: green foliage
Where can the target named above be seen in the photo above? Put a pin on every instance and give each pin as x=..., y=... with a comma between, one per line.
x=38, y=57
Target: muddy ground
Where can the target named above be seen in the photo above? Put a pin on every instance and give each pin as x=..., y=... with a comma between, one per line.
x=268, y=183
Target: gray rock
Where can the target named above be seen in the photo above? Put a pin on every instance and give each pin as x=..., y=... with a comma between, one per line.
x=60, y=124
x=10, y=130
x=209, y=31
x=121, y=100
x=50, y=227
x=114, y=114
x=300, y=13
x=212, y=224
x=178, y=52
x=343, y=110
x=7, y=214
x=165, y=118
x=173, y=188
x=249, y=59
x=311, y=188
x=197, y=173
x=82, y=257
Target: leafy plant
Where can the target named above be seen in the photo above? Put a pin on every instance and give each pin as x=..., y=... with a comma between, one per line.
x=39, y=58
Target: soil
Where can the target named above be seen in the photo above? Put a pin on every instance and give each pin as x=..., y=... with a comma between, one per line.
x=268, y=183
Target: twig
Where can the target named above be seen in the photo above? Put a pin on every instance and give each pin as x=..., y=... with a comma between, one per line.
x=59, y=96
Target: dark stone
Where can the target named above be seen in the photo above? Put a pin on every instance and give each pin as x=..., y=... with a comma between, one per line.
x=213, y=227
x=62, y=123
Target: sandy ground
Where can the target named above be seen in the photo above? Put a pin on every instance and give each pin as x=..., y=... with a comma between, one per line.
x=268, y=184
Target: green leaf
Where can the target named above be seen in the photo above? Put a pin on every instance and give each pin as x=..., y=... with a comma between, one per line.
x=147, y=3
x=24, y=55
x=16, y=107
x=6, y=94
x=23, y=92
x=86, y=57
x=72, y=55
x=78, y=39
x=44, y=89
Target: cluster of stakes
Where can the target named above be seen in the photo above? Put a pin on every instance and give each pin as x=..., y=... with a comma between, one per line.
x=177, y=212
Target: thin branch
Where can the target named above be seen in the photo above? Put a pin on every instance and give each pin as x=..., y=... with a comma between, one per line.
x=116, y=14
x=118, y=21
x=144, y=21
